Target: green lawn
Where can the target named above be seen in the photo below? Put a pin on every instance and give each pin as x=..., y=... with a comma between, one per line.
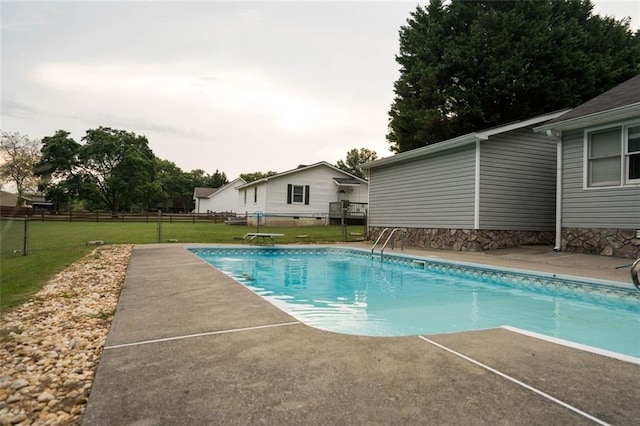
x=55, y=245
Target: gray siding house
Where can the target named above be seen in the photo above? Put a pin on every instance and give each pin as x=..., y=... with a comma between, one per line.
x=485, y=190
x=599, y=181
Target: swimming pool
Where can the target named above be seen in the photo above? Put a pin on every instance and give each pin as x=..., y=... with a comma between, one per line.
x=348, y=291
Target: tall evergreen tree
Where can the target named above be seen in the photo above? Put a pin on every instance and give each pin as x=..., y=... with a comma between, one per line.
x=470, y=65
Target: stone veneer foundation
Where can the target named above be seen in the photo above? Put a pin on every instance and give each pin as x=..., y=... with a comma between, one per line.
x=469, y=239
x=607, y=242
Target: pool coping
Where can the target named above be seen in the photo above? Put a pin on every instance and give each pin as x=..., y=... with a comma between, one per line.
x=574, y=345
x=493, y=268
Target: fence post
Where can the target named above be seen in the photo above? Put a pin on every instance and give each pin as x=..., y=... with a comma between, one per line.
x=159, y=226
x=365, y=231
x=25, y=241
x=342, y=221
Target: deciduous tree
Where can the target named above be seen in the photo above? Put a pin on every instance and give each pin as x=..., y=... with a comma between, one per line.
x=113, y=169
x=58, y=169
x=353, y=160
x=201, y=178
x=176, y=186
x=251, y=177
x=19, y=154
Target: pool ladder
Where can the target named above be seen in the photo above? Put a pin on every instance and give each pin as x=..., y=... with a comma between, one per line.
x=635, y=273
x=384, y=231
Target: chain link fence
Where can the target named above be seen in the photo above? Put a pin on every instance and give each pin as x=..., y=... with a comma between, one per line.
x=161, y=227
x=14, y=234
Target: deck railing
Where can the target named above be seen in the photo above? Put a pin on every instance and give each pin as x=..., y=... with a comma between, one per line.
x=353, y=210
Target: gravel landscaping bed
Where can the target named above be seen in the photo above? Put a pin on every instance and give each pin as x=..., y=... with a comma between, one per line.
x=51, y=345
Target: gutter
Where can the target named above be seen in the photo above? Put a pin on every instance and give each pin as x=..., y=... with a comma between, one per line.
x=423, y=151
x=459, y=141
x=593, y=119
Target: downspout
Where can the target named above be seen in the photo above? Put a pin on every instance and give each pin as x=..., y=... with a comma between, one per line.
x=368, y=210
x=558, y=136
x=476, y=198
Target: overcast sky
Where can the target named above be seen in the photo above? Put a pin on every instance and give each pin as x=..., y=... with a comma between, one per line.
x=234, y=86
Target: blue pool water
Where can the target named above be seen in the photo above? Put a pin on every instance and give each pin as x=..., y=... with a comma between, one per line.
x=347, y=291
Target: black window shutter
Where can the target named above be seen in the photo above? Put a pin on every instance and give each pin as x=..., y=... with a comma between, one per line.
x=289, y=191
x=306, y=194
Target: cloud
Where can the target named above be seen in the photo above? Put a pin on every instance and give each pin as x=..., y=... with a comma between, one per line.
x=189, y=90
x=30, y=15
x=234, y=86
x=17, y=109
x=191, y=107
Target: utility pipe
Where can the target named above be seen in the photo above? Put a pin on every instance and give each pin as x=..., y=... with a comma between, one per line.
x=558, y=136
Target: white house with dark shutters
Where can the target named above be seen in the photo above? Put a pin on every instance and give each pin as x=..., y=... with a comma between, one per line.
x=303, y=196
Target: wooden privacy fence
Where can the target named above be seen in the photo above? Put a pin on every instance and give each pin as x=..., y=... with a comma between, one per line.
x=10, y=211
x=132, y=217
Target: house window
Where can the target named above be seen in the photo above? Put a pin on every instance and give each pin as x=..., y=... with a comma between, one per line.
x=255, y=194
x=245, y=196
x=633, y=154
x=613, y=156
x=298, y=194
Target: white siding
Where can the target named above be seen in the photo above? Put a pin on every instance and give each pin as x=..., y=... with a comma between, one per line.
x=224, y=200
x=252, y=206
x=359, y=194
x=322, y=191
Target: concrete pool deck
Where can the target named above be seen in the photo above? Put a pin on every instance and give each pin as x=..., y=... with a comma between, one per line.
x=188, y=345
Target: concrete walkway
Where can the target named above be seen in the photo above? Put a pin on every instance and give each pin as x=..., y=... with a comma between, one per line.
x=188, y=345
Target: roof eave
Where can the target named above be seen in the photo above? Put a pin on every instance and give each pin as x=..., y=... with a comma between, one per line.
x=460, y=141
x=602, y=117
x=320, y=163
x=421, y=152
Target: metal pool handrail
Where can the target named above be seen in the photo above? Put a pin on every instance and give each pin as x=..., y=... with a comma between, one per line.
x=635, y=273
x=403, y=230
x=378, y=240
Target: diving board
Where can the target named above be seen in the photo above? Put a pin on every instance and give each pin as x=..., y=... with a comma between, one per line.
x=255, y=236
